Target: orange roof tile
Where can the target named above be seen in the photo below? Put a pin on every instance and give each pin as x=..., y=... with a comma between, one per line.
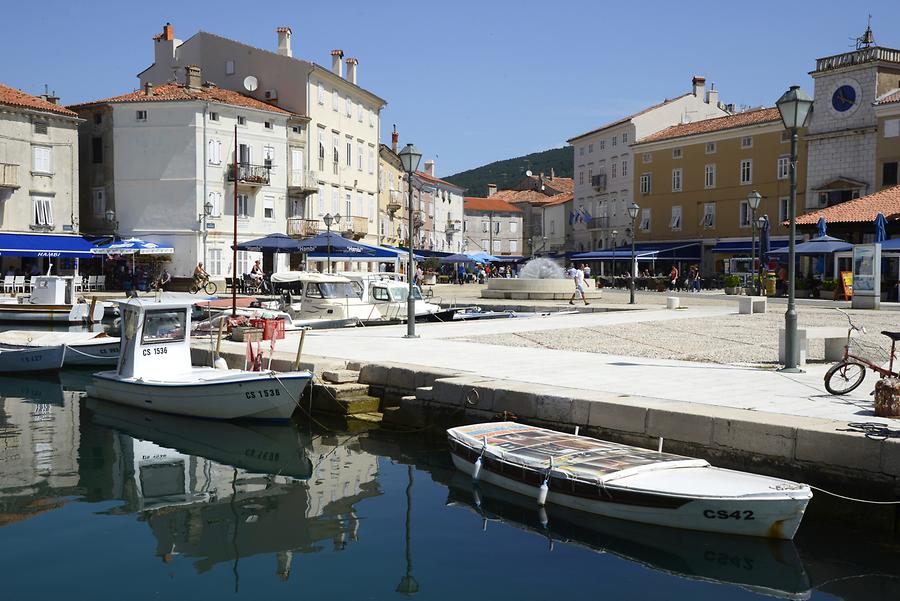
x=753, y=117
x=557, y=200
x=861, y=209
x=471, y=203
x=889, y=98
x=177, y=92
x=13, y=97
x=428, y=178
x=555, y=184
x=517, y=196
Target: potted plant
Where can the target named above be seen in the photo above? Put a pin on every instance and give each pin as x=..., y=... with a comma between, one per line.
x=805, y=286
x=826, y=290
x=732, y=284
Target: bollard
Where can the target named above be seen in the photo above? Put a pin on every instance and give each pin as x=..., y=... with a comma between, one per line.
x=300, y=349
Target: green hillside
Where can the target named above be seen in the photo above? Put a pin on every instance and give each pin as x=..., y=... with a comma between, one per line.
x=508, y=172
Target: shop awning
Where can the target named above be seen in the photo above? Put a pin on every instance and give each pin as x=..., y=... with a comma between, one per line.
x=742, y=246
x=370, y=252
x=647, y=251
x=892, y=244
x=66, y=246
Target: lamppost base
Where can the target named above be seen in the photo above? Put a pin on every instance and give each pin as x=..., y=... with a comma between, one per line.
x=410, y=335
x=790, y=370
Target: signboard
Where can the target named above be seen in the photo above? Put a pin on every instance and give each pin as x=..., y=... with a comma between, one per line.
x=867, y=276
x=845, y=284
x=210, y=226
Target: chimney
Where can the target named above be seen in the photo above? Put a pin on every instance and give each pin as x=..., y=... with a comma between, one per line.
x=552, y=173
x=351, y=69
x=713, y=97
x=192, y=77
x=148, y=89
x=429, y=167
x=284, y=41
x=395, y=138
x=492, y=189
x=164, y=45
x=699, y=83
x=337, y=67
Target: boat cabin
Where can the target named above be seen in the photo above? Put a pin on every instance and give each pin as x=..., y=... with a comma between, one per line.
x=309, y=295
x=53, y=290
x=155, y=338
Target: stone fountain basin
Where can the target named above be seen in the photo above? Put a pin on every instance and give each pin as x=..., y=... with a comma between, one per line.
x=528, y=289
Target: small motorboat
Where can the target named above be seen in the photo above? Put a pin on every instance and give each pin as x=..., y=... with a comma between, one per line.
x=626, y=482
x=44, y=358
x=82, y=348
x=53, y=298
x=154, y=372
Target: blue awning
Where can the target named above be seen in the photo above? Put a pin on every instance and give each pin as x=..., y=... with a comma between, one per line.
x=647, y=251
x=892, y=244
x=66, y=246
x=822, y=245
x=743, y=246
x=373, y=253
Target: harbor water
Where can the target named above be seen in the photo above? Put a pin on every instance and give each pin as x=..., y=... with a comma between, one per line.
x=99, y=501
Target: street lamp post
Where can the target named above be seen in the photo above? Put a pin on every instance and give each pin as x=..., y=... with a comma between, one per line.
x=409, y=158
x=753, y=200
x=329, y=219
x=760, y=224
x=795, y=107
x=613, y=246
x=202, y=218
x=633, y=213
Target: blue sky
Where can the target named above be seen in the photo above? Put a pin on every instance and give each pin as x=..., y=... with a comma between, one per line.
x=468, y=82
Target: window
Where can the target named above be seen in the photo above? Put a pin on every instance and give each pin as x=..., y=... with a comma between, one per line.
x=214, y=261
x=645, y=220
x=785, y=136
x=581, y=178
x=268, y=156
x=675, y=222
x=214, y=151
x=268, y=125
x=624, y=168
x=484, y=226
x=42, y=211
x=243, y=206
x=612, y=169
x=602, y=144
x=98, y=118
x=676, y=180
x=745, y=214
x=709, y=215
x=676, y=153
x=349, y=153
x=371, y=160
x=783, y=206
x=40, y=127
x=747, y=142
x=709, y=176
x=297, y=129
x=513, y=227
x=320, y=90
x=496, y=227
x=645, y=183
x=484, y=245
x=590, y=148
x=513, y=247
x=163, y=325
x=372, y=205
x=215, y=199
x=335, y=100
x=140, y=115
x=710, y=148
x=552, y=226
x=625, y=137
x=42, y=159
x=349, y=107
x=269, y=208
x=244, y=154
x=891, y=128
x=784, y=167
x=320, y=199
x=241, y=120
x=335, y=201
x=213, y=116
x=497, y=246
x=614, y=140
x=889, y=174
x=747, y=171
x=348, y=206
x=229, y=67
x=581, y=151
x=335, y=153
x=359, y=112
x=98, y=196
x=359, y=155
x=243, y=261
x=647, y=158
x=96, y=149
x=321, y=148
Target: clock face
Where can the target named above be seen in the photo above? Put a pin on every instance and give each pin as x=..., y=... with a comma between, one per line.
x=843, y=98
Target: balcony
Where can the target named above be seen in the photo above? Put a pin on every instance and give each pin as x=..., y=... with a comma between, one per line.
x=303, y=182
x=598, y=223
x=598, y=182
x=300, y=227
x=251, y=175
x=356, y=228
x=452, y=227
x=9, y=176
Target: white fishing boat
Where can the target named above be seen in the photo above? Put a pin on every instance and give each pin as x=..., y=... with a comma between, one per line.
x=626, y=482
x=53, y=298
x=46, y=358
x=388, y=292
x=82, y=348
x=308, y=296
x=155, y=372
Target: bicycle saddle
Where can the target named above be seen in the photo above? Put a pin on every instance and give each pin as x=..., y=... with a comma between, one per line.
x=892, y=335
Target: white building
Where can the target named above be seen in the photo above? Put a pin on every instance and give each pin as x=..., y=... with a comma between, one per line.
x=154, y=158
x=604, y=164
x=441, y=205
x=343, y=133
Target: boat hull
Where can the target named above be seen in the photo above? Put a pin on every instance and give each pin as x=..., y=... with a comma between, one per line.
x=239, y=395
x=24, y=312
x=15, y=361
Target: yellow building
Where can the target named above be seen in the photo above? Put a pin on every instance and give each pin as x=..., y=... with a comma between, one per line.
x=692, y=182
x=391, y=197
x=887, y=144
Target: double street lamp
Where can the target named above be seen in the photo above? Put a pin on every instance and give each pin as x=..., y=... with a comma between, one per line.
x=329, y=219
x=633, y=213
x=795, y=108
x=753, y=200
x=409, y=158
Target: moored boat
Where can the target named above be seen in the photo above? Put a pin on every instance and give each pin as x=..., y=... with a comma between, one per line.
x=154, y=372
x=45, y=358
x=82, y=348
x=626, y=482
x=52, y=299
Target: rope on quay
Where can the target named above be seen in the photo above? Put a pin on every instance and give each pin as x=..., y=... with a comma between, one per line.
x=869, y=501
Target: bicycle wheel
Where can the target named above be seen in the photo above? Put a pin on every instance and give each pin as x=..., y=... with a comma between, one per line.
x=211, y=287
x=844, y=377
x=194, y=288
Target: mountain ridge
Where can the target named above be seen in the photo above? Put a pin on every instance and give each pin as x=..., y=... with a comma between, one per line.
x=508, y=172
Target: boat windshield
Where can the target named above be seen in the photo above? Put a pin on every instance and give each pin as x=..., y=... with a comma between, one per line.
x=332, y=290
x=400, y=293
x=164, y=325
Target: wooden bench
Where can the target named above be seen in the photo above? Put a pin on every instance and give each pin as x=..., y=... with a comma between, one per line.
x=835, y=338
x=751, y=304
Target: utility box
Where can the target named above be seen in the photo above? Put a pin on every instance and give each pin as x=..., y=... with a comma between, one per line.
x=51, y=290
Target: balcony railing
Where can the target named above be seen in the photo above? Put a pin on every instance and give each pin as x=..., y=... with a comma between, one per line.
x=9, y=175
x=303, y=181
x=356, y=227
x=253, y=175
x=300, y=227
x=858, y=57
x=598, y=223
x=452, y=227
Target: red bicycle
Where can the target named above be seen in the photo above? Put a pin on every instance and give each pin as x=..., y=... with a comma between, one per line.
x=848, y=373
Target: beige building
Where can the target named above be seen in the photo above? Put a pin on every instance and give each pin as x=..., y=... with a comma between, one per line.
x=542, y=234
x=392, y=196
x=692, y=182
x=493, y=226
x=887, y=145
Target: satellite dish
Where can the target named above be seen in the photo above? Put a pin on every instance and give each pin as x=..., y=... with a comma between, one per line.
x=528, y=173
x=250, y=83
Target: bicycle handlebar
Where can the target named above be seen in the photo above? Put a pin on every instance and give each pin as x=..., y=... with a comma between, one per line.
x=853, y=326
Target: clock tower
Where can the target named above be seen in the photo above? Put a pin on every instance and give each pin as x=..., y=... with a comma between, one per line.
x=842, y=132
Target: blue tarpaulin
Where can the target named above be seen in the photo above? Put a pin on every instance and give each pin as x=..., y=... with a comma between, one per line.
x=66, y=246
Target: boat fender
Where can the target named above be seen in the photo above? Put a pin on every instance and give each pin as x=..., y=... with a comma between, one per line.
x=220, y=363
x=477, y=471
x=542, y=493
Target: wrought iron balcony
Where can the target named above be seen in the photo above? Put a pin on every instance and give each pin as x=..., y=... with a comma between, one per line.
x=598, y=223
x=303, y=182
x=252, y=175
x=9, y=175
x=300, y=227
x=356, y=227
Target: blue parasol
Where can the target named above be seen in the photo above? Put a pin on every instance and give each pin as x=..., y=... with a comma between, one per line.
x=880, y=228
x=820, y=228
x=273, y=243
x=458, y=258
x=332, y=242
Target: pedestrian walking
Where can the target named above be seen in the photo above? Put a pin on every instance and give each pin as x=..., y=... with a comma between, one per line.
x=673, y=278
x=579, y=286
